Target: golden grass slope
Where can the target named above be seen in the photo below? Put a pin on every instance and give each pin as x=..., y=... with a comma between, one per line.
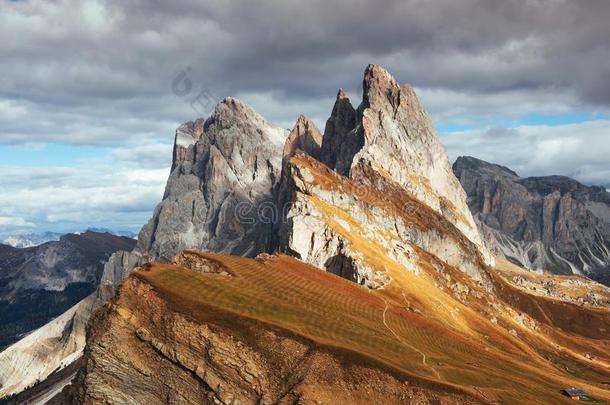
x=415, y=326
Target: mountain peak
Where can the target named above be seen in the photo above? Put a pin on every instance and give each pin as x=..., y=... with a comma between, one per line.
x=469, y=162
x=236, y=104
x=305, y=136
x=379, y=88
x=341, y=95
x=340, y=141
x=398, y=140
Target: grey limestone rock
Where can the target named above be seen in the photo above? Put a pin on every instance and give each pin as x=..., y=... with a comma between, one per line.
x=549, y=223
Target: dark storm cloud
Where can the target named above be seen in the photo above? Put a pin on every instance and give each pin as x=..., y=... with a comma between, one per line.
x=61, y=52
x=100, y=73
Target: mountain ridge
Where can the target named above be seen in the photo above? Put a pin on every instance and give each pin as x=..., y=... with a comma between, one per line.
x=544, y=223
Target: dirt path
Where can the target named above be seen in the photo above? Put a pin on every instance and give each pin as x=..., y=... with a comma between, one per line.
x=424, y=358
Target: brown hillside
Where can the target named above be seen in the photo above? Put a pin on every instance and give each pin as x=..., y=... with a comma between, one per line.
x=359, y=345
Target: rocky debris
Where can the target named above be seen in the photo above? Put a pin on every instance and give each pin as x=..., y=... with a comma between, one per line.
x=197, y=263
x=577, y=290
x=548, y=223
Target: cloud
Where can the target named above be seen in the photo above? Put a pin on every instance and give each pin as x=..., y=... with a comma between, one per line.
x=14, y=222
x=101, y=71
x=117, y=190
x=153, y=155
x=576, y=150
x=484, y=109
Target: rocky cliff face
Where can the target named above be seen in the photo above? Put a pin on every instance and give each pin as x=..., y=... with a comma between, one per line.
x=381, y=172
x=400, y=143
x=222, y=165
x=53, y=280
x=542, y=223
x=50, y=348
x=223, y=175
x=232, y=330
x=347, y=227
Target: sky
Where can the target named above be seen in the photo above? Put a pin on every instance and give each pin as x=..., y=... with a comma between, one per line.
x=91, y=91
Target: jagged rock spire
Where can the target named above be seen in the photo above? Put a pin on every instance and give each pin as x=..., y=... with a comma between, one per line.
x=305, y=137
x=341, y=142
x=380, y=89
x=392, y=134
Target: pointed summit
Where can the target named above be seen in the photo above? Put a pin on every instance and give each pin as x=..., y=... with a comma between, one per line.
x=392, y=134
x=234, y=161
x=305, y=137
x=379, y=89
x=340, y=141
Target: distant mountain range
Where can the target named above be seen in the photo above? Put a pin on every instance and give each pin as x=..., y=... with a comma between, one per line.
x=41, y=282
x=26, y=240
x=551, y=223
x=127, y=234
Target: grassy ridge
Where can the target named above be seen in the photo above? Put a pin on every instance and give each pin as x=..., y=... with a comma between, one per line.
x=336, y=313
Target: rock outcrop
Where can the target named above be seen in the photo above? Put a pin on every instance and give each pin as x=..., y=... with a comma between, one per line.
x=341, y=139
x=390, y=166
x=223, y=177
x=345, y=226
x=401, y=143
x=229, y=163
x=305, y=137
x=550, y=223
x=392, y=134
